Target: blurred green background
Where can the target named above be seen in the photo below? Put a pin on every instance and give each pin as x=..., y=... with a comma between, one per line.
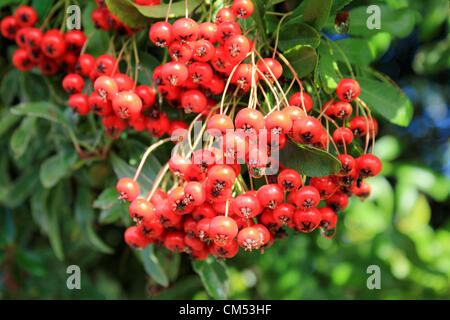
x=403, y=227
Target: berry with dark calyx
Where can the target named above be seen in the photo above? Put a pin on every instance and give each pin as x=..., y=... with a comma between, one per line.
x=278, y=122
x=225, y=15
x=147, y=95
x=127, y=104
x=284, y=213
x=85, y=64
x=21, y=60
x=270, y=68
x=221, y=252
x=342, y=110
x=140, y=210
x=203, y=50
x=128, y=189
x=208, y=31
x=289, y=180
x=301, y=99
x=203, y=230
x=222, y=230
x=328, y=218
x=174, y=241
x=53, y=44
x=185, y=30
x=307, y=220
x=337, y=201
x=325, y=185
x=343, y=136
x=307, y=197
x=78, y=102
x=193, y=101
x=265, y=233
x=175, y=73
x=368, y=165
x=270, y=195
x=194, y=193
x=75, y=40
x=193, y=244
x=236, y=48
x=180, y=52
x=348, y=90
x=135, y=238
x=307, y=130
x=161, y=34
x=267, y=218
x=228, y=29
x=9, y=27
x=246, y=206
x=348, y=163
x=106, y=87
x=98, y=105
x=243, y=8
x=73, y=83
x=219, y=124
x=178, y=203
x=105, y=65
x=203, y=211
x=362, y=191
x=190, y=227
x=250, y=238
x=250, y=121
x=26, y=16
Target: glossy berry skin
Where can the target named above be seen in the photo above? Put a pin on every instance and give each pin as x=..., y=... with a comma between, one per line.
x=222, y=230
x=105, y=65
x=243, y=8
x=21, y=37
x=264, y=232
x=203, y=50
x=246, y=206
x=307, y=220
x=284, y=213
x=289, y=180
x=294, y=113
x=278, y=122
x=193, y=244
x=26, y=16
x=48, y=66
x=140, y=210
x=151, y=228
x=250, y=238
x=185, y=30
x=21, y=60
x=161, y=34
x=85, y=64
x=123, y=81
x=175, y=73
x=225, y=15
x=368, y=165
x=221, y=176
x=128, y=189
x=301, y=99
x=179, y=202
x=307, y=197
x=270, y=68
x=127, y=104
x=228, y=29
x=106, y=87
x=219, y=124
x=78, y=102
x=194, y=193
x=342, y=110
x=73, y=83
x=342, y=136
x=267, y=218
x=325, y=185
x=9, y=27
x=250, y=121
x=307, y=130
x=75, y=40
x=174, y=241
x=100, y=18
x=208, y=31
x=135, y=238
x=270, y=195
x=362, y=191
x=193, y=101
x=203, y=229
x=53, y=44
x=180, y=52
x=98, y=105
x=328, y=218
x=236, y=48
x=360, y=126
x=147, y=95
x=34, y=37
x=348, y=163
x=221, y=252
x=348, y=90
x=337, y=201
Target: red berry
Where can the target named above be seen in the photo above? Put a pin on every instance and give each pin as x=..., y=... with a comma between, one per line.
x=337, y=201
x=221, y=252
x=53, y=44
x=98, y=105
x=348, y=90
x=161, y=34
x=325, y=185
x=294, y=113
x=284, y=213
x=147, y=95
x=342, y=136
x=307, y=197
x=194, y=193
x=174, y=241
x=270, y=68
x=225, y=15
x=34, y=37
x=348, y=163
x=106, y=87
x=250, y=238
x=307, y=220
x=100, y=18
x=289, y=180
x=328, y=218
x=307, y=130
x=193, y=101
x=21, y=60
x=73, y=83
x=9, y=27
x=105, y=65
x=243, y=8
x=208, y=31
x=301, y=99
x=127, y=104
x=78, y=102
x=278, y=122
x=246, y=206
x=175, y=73
x=75, y=40
x=128, y=189
x=124, y=82
x=250, y=121
x=181, y=52
x=236, y=48
x=223, y=230
x=135, y=238
x=141, y=210
x=219, y=124
x=85, y=64
x=342, y=110
x=228, y=29
x=368, y=165
x=26, y=16
x=185, y=30
x=270, y=195
x=203, y=50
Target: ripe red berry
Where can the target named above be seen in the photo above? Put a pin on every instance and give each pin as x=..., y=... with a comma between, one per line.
x=270, y=68
x=228, y=29
x=246, y=206
x=75, y=40
x=342, y=110
x=270, y=195
x=140, y=210
x=181, y=52
x=98, y=105
x=185, y=30
x=34, y=37
x=284, y=213
x=194, y=193
x=348, y=163
x=73, y=83
x=106, y=87
x=307, y=220
x=222, y=230
x=193, y=101
x=78, y=102
x=243, y=8
x=175, y=73
x=219, y=124
x=100, y=18
x=362, y=191
x=250, y=121
x=328, y=218
x=147, y=95
x=135, y=238
x=294, y=113
x=360, y=126
x=85, y=64
x=225, y=15
x=348, y=90
x=301, y=99
x=9, y=27
x=236, y=48
x=221, y=252
x=368, y=165
x=337, y=201
x=208, y=31
x=21, y=60
x=278, y=122
x=105, y=65
x=53, y=44
x=342, y=136
x=250, y=238
x=203, y=50
x=124, y=82
x=161, y=34
x=325, y=185
x=307, y=197
x=289, y=180
x=26, y=16
x=307, y=130
x=127, y=104
x=128, y=189
x=174, y=241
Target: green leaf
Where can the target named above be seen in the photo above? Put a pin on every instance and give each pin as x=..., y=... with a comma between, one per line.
x=7, y=228
x=31, y=262
x=357, y=51
x=42, y=8
x=398, y=23
x=9, y=86
x=257, y=17
x=126, y=12
x=22, y=188
x=327, y=69
x=303, y=59
x=34, y=86
x=41, y=109
x=111, y=215
x=57, y=167
x=386, y=100
x=214, y=277
x=22, y=136
x=106, y=199
x=152, y=266
x=298, y=34
x=147, y=176
x=159, y=12
x=313, y=12
x=432, y=58
x=308, y=160
x=52, y=217
x=85, y=218
x=338, y=5
x=7, y=120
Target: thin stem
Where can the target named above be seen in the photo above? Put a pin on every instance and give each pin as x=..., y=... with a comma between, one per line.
x=158, y=180
x=168, y=10
x=278, y=33
x=136, y=58
x=146, y=154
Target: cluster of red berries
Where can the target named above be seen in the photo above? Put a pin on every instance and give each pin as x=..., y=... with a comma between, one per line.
x=203, y=214
x=203, y=56
x=51, y=51
x=105, y=20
